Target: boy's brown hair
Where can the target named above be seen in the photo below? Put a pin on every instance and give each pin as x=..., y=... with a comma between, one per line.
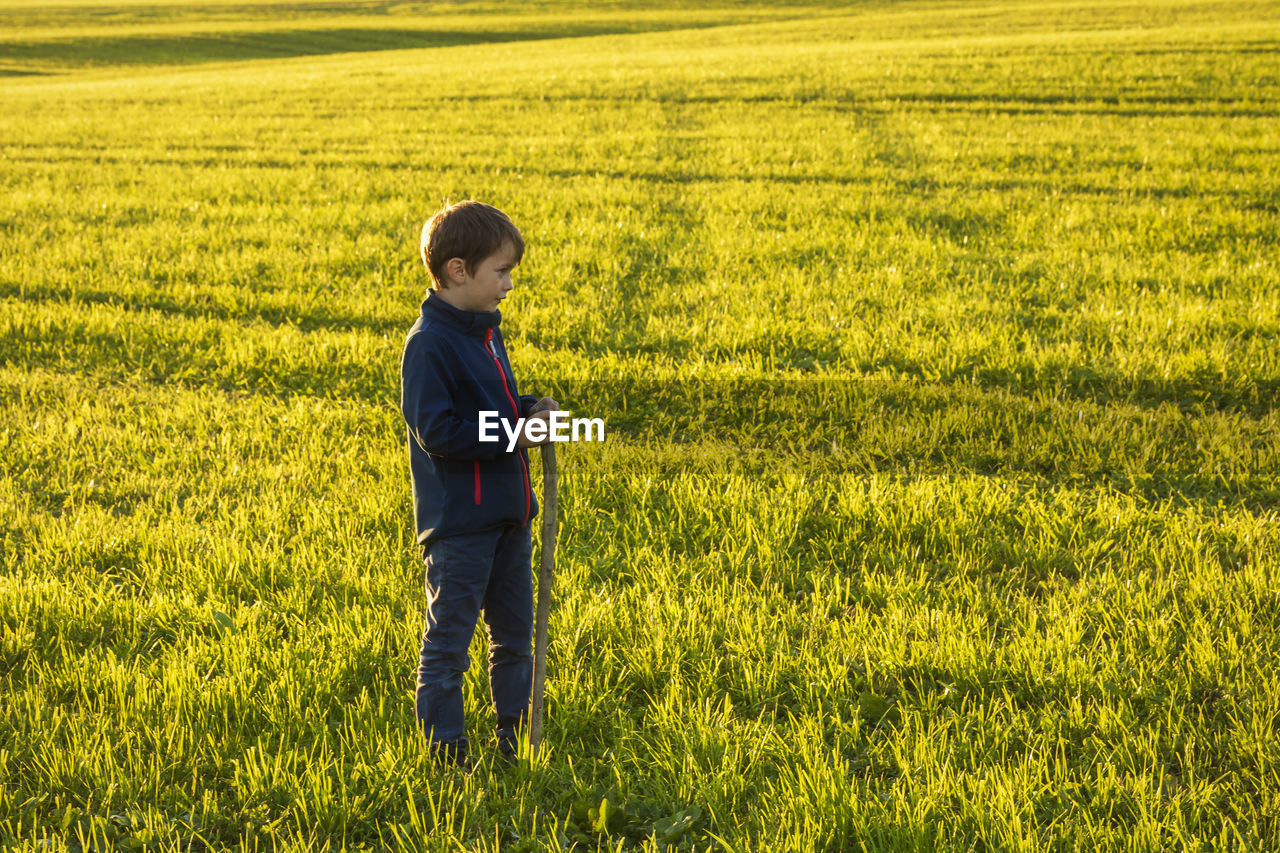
x=469, y=230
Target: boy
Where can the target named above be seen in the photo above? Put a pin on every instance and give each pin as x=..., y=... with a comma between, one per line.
x=472, y=500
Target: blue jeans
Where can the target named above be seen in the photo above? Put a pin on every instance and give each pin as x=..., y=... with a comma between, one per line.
x=470, y=573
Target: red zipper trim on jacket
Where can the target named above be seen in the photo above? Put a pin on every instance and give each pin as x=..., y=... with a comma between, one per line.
x=477, y=467
x=488, y=342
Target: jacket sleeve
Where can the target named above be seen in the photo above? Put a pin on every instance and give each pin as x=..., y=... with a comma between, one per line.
x=526, y=403
x=428, y=407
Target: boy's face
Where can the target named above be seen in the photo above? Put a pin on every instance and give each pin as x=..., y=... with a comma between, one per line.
x=485, y=286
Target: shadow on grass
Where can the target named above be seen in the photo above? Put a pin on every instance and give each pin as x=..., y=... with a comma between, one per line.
x=306, y=316
x=1250, y=197
x=1253, y=198
x=235, y=46
x=1248, y=393
x=1196, y=454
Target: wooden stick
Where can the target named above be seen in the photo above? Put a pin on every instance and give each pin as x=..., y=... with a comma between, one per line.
x=546, y=573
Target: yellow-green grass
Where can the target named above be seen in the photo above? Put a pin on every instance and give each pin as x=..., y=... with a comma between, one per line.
x=937, y=344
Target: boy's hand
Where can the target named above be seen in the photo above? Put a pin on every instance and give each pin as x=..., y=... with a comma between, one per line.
x=536, y=414
x=546, y=404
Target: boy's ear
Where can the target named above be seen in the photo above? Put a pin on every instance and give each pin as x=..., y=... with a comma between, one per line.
x=455, y=270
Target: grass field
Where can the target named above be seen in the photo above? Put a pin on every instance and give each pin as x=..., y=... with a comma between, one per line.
x=939, y=348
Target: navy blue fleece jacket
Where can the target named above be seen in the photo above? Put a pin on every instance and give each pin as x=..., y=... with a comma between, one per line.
x=454, y=367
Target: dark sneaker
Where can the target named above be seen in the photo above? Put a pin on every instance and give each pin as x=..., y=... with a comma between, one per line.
x=451, y=754
x=508, y=750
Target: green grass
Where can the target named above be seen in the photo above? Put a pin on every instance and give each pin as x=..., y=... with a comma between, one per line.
x=937, y=344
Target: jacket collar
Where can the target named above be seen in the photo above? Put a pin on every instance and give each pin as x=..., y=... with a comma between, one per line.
x=475, y=323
